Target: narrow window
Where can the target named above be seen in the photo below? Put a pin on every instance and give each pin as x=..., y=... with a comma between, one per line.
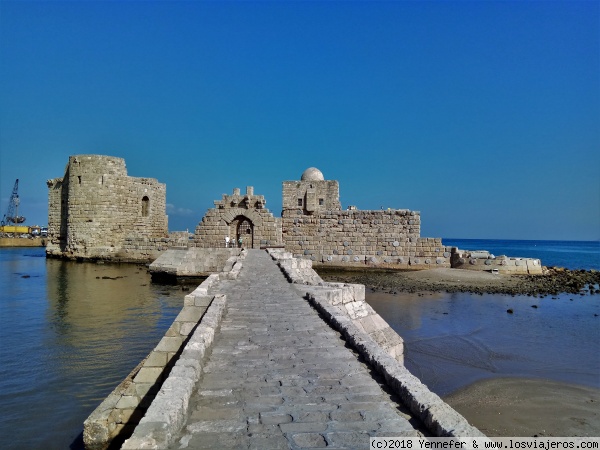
x=79, y=179
x=321, y=201
x=145, y=206
x=299, y=202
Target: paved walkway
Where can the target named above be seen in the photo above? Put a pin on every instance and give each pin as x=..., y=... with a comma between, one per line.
x=280, y=377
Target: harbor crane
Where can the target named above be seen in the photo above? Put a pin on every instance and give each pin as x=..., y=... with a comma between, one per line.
x=12, y=213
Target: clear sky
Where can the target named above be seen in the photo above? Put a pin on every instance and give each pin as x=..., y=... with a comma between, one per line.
x=484, y=115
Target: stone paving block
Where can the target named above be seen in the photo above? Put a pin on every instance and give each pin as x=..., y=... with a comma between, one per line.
x=217, y=426
x=309, y=440
x=348, y=439
x=207, y=414
x=272, y=418
x=311, y=416
x=270, y=442
x=346, y=416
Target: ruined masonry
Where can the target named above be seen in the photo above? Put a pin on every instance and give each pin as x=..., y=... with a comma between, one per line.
x=314, y=226
x=95, y=207
x=97, y=211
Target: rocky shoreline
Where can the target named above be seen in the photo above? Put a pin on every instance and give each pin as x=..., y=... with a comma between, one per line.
x=555, y=280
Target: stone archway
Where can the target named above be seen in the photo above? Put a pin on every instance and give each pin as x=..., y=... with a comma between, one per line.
x=242, y=227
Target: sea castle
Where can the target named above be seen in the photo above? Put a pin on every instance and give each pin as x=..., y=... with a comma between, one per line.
x=263, y=351
x=97, y=211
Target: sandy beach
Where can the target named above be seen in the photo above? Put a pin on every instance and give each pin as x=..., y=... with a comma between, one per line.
x=529, y=407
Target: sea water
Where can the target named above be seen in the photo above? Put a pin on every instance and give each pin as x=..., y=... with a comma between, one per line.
x=70, y=333
x=572, y=255
x=453, y=340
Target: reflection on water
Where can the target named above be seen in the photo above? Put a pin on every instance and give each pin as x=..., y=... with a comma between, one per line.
x=452, y=340
x=70, y=333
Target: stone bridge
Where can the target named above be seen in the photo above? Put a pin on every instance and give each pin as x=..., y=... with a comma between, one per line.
x=264, y=354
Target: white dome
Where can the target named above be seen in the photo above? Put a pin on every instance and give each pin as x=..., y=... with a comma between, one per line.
x=312, y=174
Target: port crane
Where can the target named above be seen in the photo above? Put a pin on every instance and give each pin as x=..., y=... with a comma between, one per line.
x=12, y=213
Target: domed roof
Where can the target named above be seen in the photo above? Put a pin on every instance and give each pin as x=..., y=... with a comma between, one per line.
x=312, y=174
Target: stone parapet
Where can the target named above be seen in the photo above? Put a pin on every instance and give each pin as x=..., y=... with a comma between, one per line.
x=349, y=299
x=166, y=415
x=178, y=352
x=439, y=417
x=343, y=306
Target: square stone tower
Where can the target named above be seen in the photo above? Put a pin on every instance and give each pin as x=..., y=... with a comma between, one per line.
x=96, y=205
x=312, y=194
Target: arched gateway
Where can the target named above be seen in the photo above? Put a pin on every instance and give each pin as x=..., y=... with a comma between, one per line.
x=243, y=229
x=236, y=216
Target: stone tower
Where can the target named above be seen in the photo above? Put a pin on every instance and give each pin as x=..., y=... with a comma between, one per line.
x=312, y=194
x=95, y=205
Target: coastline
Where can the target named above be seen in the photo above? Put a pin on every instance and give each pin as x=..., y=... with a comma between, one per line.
x=555, y=281
x=529, y=407
x=488, y=343
x=14, y=242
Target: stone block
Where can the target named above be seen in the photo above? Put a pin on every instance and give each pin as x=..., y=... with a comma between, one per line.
x=189, y=314
x=148, y=375
x=169, y=344
x=156, y=359
x=186, y=328
x=127, y=401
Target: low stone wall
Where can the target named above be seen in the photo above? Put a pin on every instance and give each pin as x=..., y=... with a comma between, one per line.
x=187, y=262
x=438, y=416
x=482, y=260
x=166, y=415
x=348, y=298
x=344, y=308
x=168, y=410
x=186, y=340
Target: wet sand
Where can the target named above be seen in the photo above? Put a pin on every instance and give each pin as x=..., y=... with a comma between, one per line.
x=529, y=407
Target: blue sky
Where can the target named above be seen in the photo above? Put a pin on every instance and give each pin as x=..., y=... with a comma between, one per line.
x=484, y=116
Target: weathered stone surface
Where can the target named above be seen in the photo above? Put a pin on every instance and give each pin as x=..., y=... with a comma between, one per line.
x=95, y=206
x=277, y=367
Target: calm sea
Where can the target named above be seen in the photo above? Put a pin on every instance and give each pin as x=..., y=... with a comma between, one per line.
x=70, y=332
x=567, y=254
x=453, y=340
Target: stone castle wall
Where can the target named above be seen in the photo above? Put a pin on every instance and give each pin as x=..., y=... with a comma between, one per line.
x=95, y=206
x=357, y=237
x=97, y=211
x=239, y=215
x=314, y=226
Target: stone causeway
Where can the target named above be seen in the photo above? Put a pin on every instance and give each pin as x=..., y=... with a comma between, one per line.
x=277, y=359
